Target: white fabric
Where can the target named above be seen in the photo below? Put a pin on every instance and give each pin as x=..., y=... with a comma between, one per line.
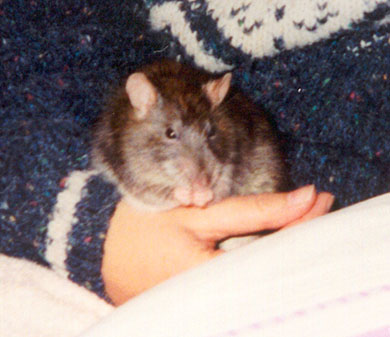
x=36, y=302
x=327, y=277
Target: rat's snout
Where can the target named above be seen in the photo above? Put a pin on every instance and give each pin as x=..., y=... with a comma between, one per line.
x=201, y=191
x=196, y=189
x=201, y=181
x=194, y=171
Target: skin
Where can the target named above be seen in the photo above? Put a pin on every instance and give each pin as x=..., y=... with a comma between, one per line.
x=143, y=249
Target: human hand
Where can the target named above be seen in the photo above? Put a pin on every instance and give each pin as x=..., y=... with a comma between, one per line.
x=143, y=249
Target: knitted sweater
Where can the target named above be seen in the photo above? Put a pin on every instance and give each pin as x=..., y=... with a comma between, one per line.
x=53, y=209
x=321, y=68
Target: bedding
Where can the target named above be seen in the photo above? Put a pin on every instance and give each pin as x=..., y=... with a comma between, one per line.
x=327, y=277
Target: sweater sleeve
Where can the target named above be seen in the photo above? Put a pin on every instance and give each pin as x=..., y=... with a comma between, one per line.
x=77, y=228
x=58, y=60
x=54, y=209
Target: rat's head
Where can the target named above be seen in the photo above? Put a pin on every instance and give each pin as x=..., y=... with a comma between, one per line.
x=183, y=138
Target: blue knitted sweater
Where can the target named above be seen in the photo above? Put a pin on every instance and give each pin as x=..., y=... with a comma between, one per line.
x=321, y=68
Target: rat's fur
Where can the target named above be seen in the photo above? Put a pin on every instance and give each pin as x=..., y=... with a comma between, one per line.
x=224, y=144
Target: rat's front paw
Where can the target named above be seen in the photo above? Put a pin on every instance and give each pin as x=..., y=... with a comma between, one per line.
x=199, y=197
x=183, y=195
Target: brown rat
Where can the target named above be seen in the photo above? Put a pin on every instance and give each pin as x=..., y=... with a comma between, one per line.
x=173, y=135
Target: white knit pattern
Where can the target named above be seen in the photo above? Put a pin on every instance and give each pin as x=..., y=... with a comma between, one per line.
x=253, y=26
x=62, y=220
x=162, y=16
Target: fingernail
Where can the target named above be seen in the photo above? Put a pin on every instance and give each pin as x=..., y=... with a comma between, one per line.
x=330, y=202
x=301, y=195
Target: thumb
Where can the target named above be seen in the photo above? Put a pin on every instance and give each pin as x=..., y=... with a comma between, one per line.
x=252, y=213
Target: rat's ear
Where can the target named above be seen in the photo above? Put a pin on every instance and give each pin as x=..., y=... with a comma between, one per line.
x=142, y=94
x=216, y=90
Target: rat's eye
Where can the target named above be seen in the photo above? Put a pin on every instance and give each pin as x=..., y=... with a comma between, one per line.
x=170, y=133
x=212, y=131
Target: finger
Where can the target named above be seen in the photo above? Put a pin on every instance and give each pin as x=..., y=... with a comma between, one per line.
x=246, y=214
x=321, y=206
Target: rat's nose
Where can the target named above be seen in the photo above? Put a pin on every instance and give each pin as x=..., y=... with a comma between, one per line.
x=202, y=194
x=201, y=181
x=194, y=171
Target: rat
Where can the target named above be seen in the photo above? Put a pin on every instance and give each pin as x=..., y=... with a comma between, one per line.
x=173, y=135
